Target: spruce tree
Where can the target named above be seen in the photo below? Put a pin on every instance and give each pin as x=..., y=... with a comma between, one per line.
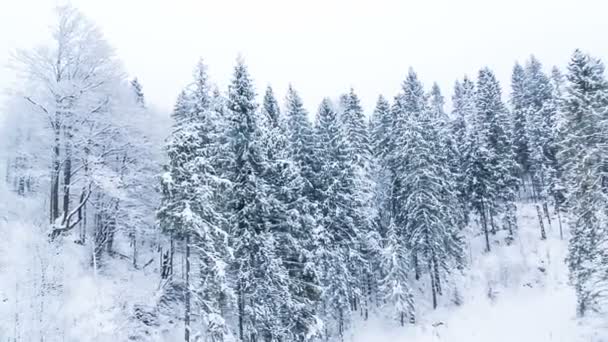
x=541, y=110
x=355, y=130
x=462, y=145
x=381, y=130
x=301, y=139
x=409, y=105
x=584, y=118
x=338, y=235
x=260, y=277
x=291, y=222
x=519, y=107
x=430, y=205
x=395, y=283
x=495, y=161
x=353, y=123
x=190, y=211
x=437, y=103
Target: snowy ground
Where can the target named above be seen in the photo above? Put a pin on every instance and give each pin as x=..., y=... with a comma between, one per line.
x=532, y=300
x=50, y=292
x=530, y=296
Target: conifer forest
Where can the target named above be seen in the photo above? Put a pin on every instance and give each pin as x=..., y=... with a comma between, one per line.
x=477, y=212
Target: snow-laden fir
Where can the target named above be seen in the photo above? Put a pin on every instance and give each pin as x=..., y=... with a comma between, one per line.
x=242, y=218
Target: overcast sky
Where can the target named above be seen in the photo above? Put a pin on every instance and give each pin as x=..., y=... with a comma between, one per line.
x=323, y=47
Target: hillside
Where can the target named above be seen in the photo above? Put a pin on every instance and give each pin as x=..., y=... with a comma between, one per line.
x=531, y=298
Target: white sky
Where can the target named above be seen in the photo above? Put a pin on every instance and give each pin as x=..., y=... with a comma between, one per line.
x=323, y=47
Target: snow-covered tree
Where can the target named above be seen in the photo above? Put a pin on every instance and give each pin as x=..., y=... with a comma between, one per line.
x=494, y=159
x=381, y=130
x=462, y=144
x=300, y=134
x=430, y=209
x=519, y=107
x=408, y=105
x=338, y=236
x=190, y=210
x=395, y=284
x=355, y=130
x=76, y=78
x=584, y=119
x=541, y=109
x=291, y=221
x=261, y=279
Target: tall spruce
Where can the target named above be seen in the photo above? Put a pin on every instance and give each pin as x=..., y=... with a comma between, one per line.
x=409, y=104
x=495, y=157
x=261, y=279
x=541, y=110
x=583, y=127
x=461, y=135
x=381, y=130
x=431, y=213
x=301, y=139
x=519, y=107
x=190, y=211
x=338, y=234
x=355, y=130
x=291, y=222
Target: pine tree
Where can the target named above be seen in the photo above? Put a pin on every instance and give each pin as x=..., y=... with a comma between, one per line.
x=291, y=222
x=557, y=190
x=430, y=205
x=541, y=109
x=437, y=103
x=260, y=277
x=353, y=122
x=190, y=212
x=301, y=140
x=381, y=130
x=462, y=144
x=584, y=115
x=519, y=107
x=338, y=235
x=495, y=162
x=355, y=129
x=409, y=105
x=395, y=284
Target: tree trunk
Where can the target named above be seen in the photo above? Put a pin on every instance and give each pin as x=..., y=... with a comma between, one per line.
x=436, y=275
x=241, y=308
x=134, y=243
x=67, y=179
x=83, y=222
x=433, y=286
x=54, y=195
x=559, y=220
x=416, y=268
x=171, y=253
x=543, y=234
x=546, y=210
x=187, y=294
x=484, y=225
x=492, y=225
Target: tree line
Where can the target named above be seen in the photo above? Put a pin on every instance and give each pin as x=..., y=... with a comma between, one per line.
x=289, y=228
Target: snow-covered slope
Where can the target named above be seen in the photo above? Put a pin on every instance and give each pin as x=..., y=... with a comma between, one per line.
x=50, y=291
x=515, y=293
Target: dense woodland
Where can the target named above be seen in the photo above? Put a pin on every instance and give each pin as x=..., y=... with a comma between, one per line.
x=262, y=224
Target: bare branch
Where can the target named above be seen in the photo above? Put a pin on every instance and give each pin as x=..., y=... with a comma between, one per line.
x=65, y=226
x=29, y=99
